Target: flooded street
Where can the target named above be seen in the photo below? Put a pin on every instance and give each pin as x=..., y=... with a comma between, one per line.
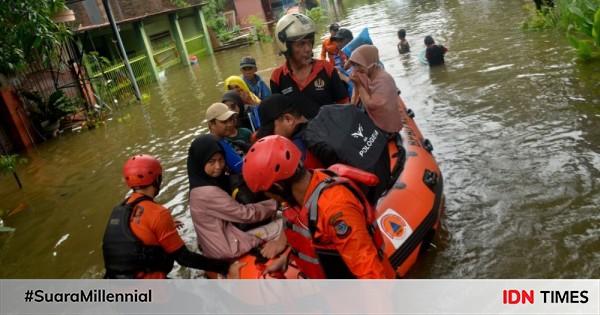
x=513, y=117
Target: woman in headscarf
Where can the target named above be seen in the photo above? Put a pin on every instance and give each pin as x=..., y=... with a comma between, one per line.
x=214, y=211
x=236, y=83
x=235, y=103
x=375, y=89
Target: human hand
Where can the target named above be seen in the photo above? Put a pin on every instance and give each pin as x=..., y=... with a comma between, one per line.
x=344, y=77
x=278, y=265
x=355, y=76
x=234, y=270
x=246, y=98
x=178, y=224
x=274, y=247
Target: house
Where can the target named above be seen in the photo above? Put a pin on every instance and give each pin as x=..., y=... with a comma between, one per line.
x=245, y=9
x=155, y=33
x=268, y=10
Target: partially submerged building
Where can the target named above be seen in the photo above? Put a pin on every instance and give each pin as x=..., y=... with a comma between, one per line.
x=156, y=33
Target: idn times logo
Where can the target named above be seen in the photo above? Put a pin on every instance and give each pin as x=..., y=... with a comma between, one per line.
x=516, y=296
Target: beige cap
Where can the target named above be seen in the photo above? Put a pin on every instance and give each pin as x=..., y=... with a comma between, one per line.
x=218, y=111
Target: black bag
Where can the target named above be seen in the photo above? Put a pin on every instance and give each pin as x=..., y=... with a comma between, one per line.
x=349, y=133
x=124, y=254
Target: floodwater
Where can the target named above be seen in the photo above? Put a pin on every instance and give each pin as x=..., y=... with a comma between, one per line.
x=513, y=117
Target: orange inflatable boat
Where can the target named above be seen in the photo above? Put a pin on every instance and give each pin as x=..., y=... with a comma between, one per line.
x=408, y=213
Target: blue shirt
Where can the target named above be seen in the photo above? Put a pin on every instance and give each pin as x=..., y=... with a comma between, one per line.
x=258, y=87
x=340, y=66
x=232, y=159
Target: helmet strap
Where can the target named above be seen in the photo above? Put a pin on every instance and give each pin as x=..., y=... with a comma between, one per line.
x=283, y=188
x=157, y=183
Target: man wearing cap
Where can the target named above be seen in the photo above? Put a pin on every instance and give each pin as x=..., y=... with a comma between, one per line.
x=221, y=121
x=314, y=81
x=329, y=48
x=281, y=115
x=222, y=124
x=254, y=82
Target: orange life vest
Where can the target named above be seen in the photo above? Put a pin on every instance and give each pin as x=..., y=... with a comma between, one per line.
x=317, y=261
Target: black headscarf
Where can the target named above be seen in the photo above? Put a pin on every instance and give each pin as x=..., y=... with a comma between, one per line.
x=234, y=97
x=201, y=150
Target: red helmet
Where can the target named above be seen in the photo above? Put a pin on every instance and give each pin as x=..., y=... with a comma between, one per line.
x=141, y=170
x=270, y=160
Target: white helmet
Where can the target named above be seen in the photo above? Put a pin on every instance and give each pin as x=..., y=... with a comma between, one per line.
x=293, y=27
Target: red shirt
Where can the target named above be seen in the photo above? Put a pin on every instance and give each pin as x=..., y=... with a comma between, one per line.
x=323, y=86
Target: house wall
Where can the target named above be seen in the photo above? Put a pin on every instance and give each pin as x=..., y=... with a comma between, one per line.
x=189, y=27
x=157, y=25
x=246, y=8
x=134, y=46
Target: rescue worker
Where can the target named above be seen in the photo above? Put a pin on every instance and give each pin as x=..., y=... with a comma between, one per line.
x=329, y=224
x=315, y=81
x=329, y=49
x=141, y=239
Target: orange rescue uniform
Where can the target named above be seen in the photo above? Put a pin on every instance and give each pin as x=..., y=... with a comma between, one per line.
x=329, y=50
x=342, y=226
x=153, y=225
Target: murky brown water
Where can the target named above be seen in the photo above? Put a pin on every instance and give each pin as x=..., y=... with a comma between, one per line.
x=513, y=118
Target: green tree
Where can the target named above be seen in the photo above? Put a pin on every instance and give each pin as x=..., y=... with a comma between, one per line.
x=28, y=31
x=213, y=11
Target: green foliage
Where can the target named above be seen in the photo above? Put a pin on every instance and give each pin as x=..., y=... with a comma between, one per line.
x=57, y=106
x=316, y=14
x=28, y=32
x=226, y=35
x=180, y=3
x=583, y=20
x=261, y=31
x=94, y=62
x=213, y=12
x=539, y=20
x=9, y=162
x=579, y=19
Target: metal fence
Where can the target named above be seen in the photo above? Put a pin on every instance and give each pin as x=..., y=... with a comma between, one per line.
x=110, y=79
x=167, y=56
x=46, y=75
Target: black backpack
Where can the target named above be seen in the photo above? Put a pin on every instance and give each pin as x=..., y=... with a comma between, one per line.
x=349, y=133
x=124, y=254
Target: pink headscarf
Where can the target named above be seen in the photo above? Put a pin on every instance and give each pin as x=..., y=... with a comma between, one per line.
x=366, y=56
x=382, y=99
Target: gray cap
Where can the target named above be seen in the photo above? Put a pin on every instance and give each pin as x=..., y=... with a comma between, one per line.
x=247, y=62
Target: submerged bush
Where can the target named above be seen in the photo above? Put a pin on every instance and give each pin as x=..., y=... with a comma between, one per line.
x=579, y=19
